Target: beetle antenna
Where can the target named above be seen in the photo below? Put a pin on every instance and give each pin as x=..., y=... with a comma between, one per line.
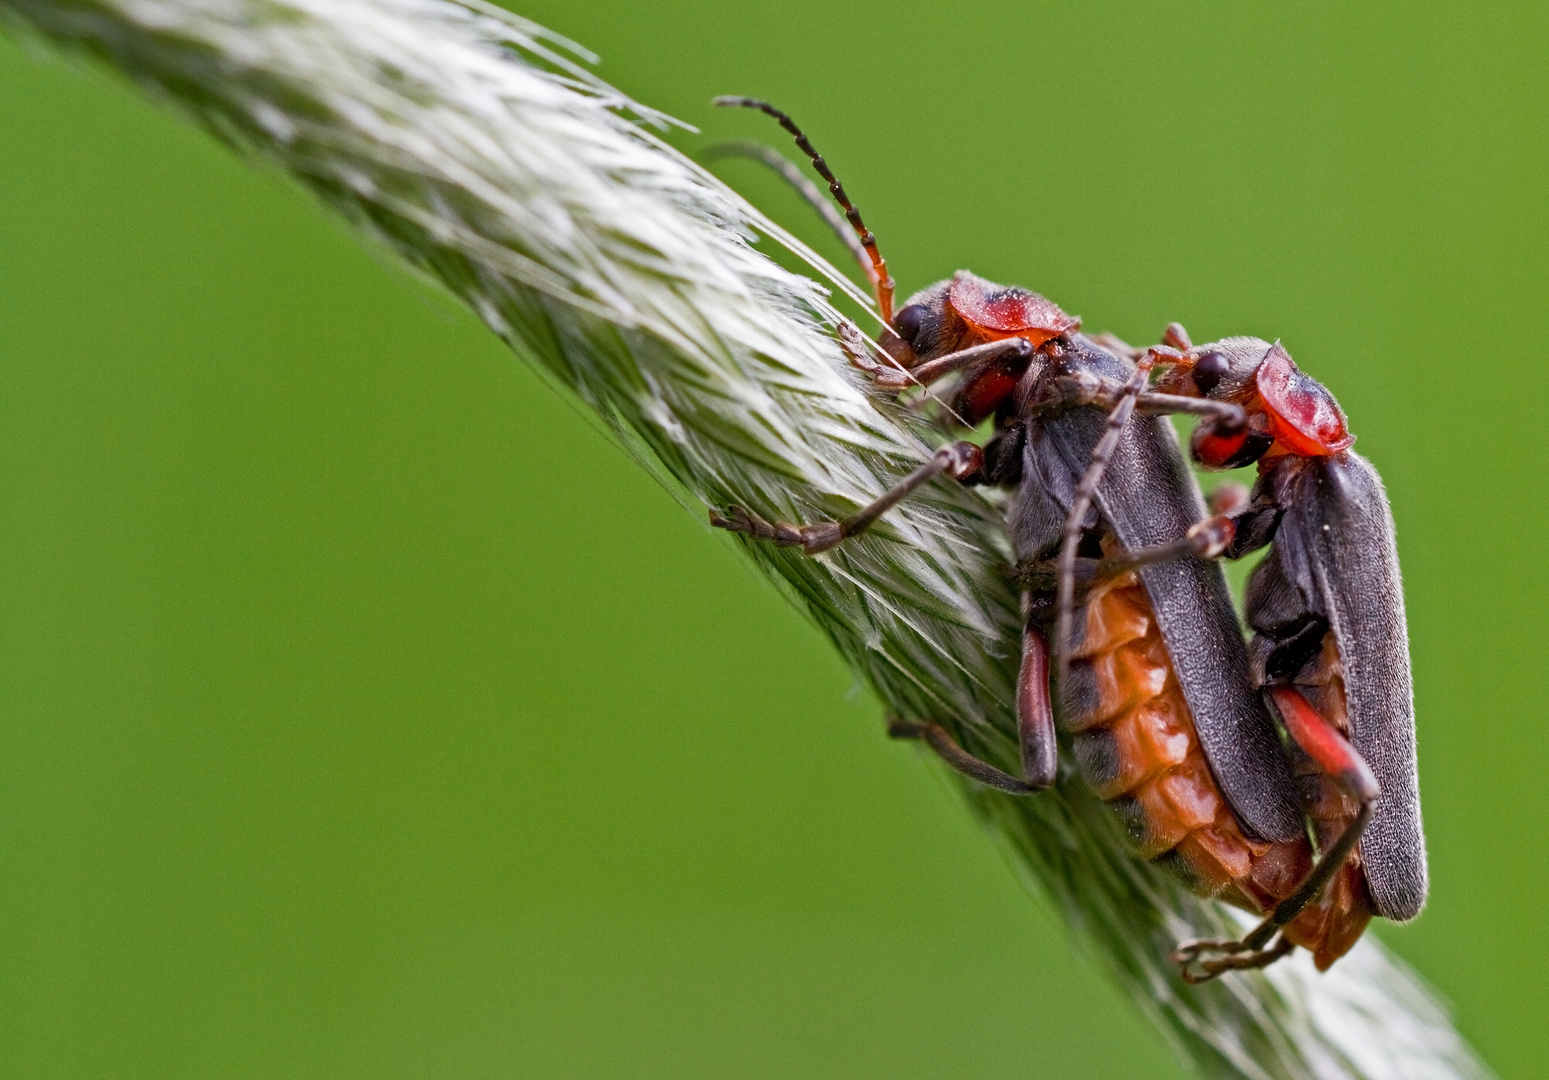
x=884, y=281
x=769, y=156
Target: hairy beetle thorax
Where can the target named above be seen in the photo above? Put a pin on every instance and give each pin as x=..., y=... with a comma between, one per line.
x=966, y=311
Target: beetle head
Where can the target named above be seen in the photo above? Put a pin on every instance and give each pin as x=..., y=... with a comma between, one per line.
x=1286, y=408
x=923, y=328
x=968, y=311
x=1223, y=370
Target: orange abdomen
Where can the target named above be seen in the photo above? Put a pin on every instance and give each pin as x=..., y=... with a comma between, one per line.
x=1141, y=753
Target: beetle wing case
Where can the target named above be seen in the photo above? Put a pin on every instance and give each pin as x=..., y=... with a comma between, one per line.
x=1148, y=497
x=1335, y=542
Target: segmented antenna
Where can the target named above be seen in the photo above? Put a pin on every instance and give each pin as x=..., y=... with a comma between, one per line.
x=868, y=241
x=768, y=155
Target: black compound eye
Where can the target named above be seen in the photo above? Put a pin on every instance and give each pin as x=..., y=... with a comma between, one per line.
x=908, y=321
x=1208, y=370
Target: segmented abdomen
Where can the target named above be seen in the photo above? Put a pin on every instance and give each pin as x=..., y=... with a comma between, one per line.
x=1137, y=745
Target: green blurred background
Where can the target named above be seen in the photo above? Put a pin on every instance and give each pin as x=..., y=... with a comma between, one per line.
x=364, y=713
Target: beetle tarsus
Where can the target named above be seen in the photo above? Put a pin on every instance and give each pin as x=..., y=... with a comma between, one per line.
x=963, y=461
x=1194, y=968
x=810, y=538
x=1327, y=746
x=1207, y=539
x=947, y=749
x=859, y=351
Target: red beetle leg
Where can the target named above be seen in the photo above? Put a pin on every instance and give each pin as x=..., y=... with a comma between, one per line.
x=982, y=396
x=1218, y=446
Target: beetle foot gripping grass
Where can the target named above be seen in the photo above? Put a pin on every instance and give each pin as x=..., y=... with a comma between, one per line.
x=472, y=146
x=1171, y=720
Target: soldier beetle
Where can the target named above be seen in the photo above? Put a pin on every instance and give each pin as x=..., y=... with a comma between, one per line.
x=1330, y=645
x=1172, y=717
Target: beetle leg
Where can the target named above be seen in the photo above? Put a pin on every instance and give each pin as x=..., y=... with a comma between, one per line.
x=961, y=460
x=1117, y=345
x=1035, y=711
x=1208, y=539
x=1087, y=389
x=1238, y=525
x=939, y=368
x=1231, y=416
x=1176, y=337
x=889, y=374
x=1041, y=575
x=1035, y=729
x=1086, y=491
x=1327, y=746
x=1196, y=971
x=935, y=736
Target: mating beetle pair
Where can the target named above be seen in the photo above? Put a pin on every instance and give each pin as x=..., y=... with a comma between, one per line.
x=1313, y=821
